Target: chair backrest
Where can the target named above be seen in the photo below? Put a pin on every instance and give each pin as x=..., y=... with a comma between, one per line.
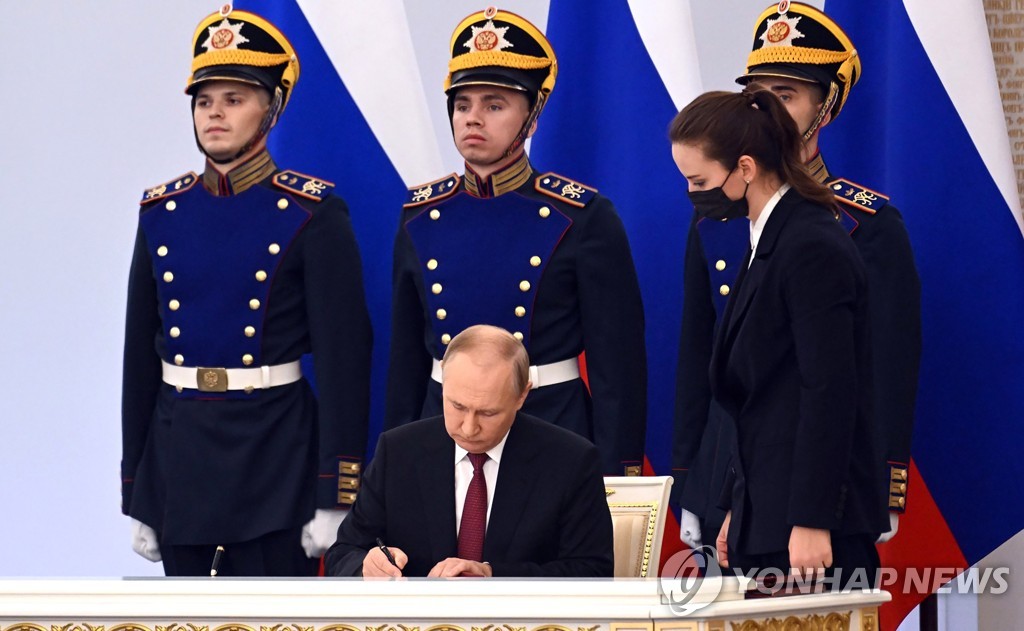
x=638, y=506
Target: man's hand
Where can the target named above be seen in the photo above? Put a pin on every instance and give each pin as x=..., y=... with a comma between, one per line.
x=810, y=551
x=689, y=529
x=376, y=565
x=722, y=542
x=894, y=525
x=459, y=567
x=322, y=531
x=144, y=541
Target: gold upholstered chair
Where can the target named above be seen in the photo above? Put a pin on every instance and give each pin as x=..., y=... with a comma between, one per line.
x=638, y=506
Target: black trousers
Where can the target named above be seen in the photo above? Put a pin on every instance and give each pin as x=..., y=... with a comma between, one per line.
x=274, y=554
x=855, y=563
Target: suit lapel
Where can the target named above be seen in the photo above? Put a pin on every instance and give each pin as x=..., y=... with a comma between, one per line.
x=749, y=279
x=517, y=476
x=436, y=480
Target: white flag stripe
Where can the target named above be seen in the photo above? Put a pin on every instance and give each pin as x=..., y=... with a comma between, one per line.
x=969, y=75
x=370, y=46
x=667, y=31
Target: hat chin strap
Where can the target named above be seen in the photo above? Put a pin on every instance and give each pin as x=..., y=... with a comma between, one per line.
x=520, y=138
x=826, y=107
x=265, y=126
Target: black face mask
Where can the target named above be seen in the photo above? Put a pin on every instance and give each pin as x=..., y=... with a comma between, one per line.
x=715, y=204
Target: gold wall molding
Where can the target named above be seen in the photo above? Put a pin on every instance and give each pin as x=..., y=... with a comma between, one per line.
x=869, y=619
x=814, y=622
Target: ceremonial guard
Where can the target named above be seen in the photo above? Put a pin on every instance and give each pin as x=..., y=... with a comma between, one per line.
x=806, y=59
x=536, y=253
x=236, y=274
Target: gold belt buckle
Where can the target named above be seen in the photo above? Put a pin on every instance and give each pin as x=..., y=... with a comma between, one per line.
x=212, y=379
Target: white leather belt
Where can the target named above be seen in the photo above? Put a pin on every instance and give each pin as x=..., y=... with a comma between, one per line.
x=540, y=376
x=224, y=379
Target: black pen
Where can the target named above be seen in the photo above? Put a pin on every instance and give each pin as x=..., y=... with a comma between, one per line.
x=216, y=560
x=387, y=553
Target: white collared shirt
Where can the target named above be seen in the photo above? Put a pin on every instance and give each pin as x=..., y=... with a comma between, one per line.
x=464, y=474
x=757, y=227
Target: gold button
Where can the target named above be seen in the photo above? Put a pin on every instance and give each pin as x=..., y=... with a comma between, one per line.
x=520, y=312
x=179, y=359
x=720, y=265
x=254, y=304
x=432, y=264
x=179, y=389
x=518, y=336
x=250, y=331
x=535, y=261
x=435, y=214
x=441, y=314
x=261, y=276
x=249, y=389
x=161, y=251
x=524, y=286
x=724, y=290
x=436, y=288
x=171, y=205
x=175, y=331
x=168, y=277
x=173, y=305
x=446, y=338
x=247, y=359
x=544, y=212
x=282, y=203
x=274, y=248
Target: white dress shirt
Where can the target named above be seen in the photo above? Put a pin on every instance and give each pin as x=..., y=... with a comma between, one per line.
x=464, y=474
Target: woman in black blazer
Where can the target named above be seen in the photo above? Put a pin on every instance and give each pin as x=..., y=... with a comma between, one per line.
x=791, y=358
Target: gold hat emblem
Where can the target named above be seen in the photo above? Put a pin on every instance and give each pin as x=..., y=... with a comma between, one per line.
x=488, y=37
x=224, y=36
x=778, y=32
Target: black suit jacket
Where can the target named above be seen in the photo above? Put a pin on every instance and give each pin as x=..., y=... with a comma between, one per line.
x=792, y=366
x=714, y=250
x=549, y=515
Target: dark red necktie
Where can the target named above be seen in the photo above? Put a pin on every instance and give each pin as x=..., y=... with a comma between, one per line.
x=474, y=513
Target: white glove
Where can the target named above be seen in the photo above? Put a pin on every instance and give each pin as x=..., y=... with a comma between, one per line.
x=689, y=529
x=144, y=541
x=321, y=532
x=894, y=525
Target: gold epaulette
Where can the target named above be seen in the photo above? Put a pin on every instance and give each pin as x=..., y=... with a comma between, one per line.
x=432, y=191
x=564, y=189
x=857, y=196
x=303, y=185
x=167, y=189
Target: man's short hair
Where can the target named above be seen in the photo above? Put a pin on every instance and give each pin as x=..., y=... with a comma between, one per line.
x=502, y=343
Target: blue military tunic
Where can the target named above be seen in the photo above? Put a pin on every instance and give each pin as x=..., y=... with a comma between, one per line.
x=543, y=257
x=715, y=251
x=252, y=269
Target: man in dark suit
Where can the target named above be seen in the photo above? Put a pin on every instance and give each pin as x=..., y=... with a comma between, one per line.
x=482, y=491
x=537, y=254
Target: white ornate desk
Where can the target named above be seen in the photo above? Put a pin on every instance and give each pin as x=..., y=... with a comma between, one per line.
x=413, y=605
